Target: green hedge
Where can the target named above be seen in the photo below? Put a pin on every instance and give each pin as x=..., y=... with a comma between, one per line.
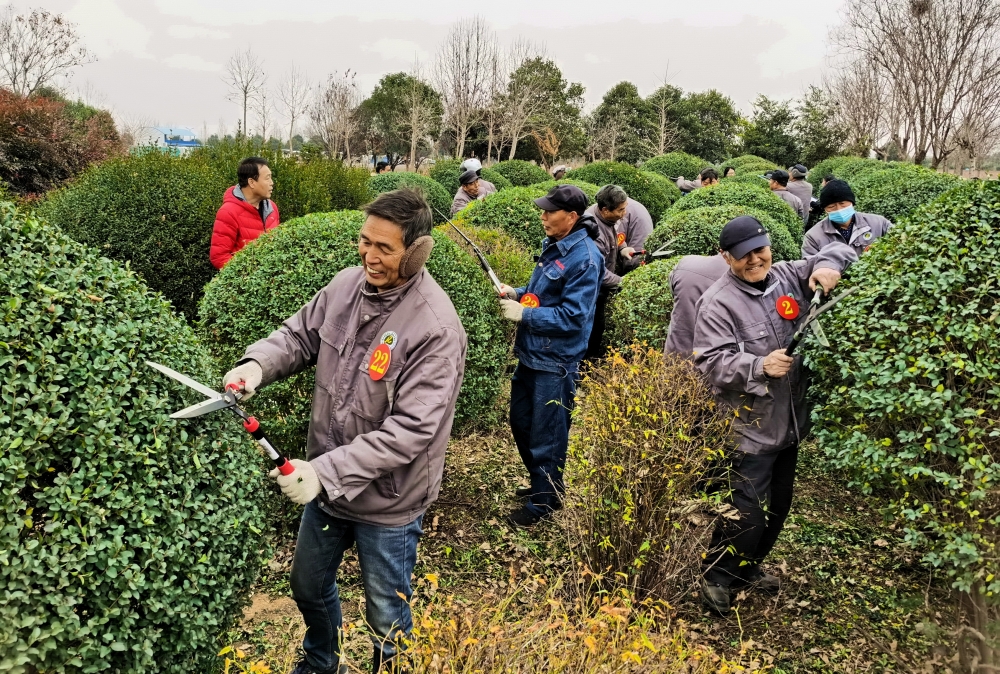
x=243, y=304
x=640, y=312
x=521, y=173
x=675, y=164
x=589, y=189
x=300, y=187
x=447, y=171
x=847, y=168
x=436, y=195
x=748, y=160
x=696, y=232
x=508, y=257
x=755, y=169
x=896, y=192
x=130, y=541
x=908, y=400
x=153, y=211
x=742, y=194
x=651, y=190
x=513, y=211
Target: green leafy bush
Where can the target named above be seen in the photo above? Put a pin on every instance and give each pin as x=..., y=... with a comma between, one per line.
x=588, y=188
x=730, y=193
x=745, y=160
x=696, y=232
x=647, y=431
x=845, y=168
x=754, y=170
x=521, y=173
x=300, y=187
x=640, y=311
x=129, y=540
x=675, y=164
x=436, y=196
x=896, y=192
x=508, y=257
x=498, y=179
x=514, y=211
x=446, y=172
x=153, y=211
x=753, y=178
x=651, y=190
x=243, y=304
x=908, y=401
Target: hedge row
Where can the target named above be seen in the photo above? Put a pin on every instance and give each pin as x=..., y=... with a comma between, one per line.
x=675, y=164
x=651, y=190
x=640, y=312
x=696, y=232
x=521, y=173
x=747, y=195
x=447, y=171
x=437, y=197
x=130, y=540
x=243, y=304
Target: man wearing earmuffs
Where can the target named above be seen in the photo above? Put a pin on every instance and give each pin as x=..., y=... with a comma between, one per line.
x=389, y=351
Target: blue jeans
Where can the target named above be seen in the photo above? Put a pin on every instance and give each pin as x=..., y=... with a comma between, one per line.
x=387, y=556
x=540, y=406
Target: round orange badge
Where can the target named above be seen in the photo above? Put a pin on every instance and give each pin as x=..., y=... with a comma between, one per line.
x=379, y=363
x=621, y=238
x=787, y=307
x=530, y=300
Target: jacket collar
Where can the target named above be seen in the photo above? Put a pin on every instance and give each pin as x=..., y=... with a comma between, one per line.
x=264, y=210
x=743, y=286
x=567, y=242
x=390, y=298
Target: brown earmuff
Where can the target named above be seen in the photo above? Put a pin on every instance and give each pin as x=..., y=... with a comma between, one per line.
x=415, y=256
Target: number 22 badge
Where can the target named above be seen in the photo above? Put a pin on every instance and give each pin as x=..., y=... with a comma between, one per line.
x=379, y=363
x=787, y=307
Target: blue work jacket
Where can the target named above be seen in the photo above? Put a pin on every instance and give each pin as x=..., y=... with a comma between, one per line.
x=567, y=276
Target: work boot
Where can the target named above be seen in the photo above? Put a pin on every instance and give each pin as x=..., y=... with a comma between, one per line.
x=304, y=667
x=521, y=492
x=522, y=517
x=758, y=579
x=715, y=598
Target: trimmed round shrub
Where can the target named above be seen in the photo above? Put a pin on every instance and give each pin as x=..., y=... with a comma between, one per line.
x=908, y=400
x=640, y=311
x=697, y=232
x=514, y=211
x=436, y=195
x=588, y=188
x=651, y=190
x=130, y=541
x=845, y=168
x=521, y=173
x=731, y=193
x=153, y=211
x=498, y=179
x=748, y=160
x=675, y=164
x=755, y=169
x=756, y=179
x=510, y=259
x=896, y=192
x=244, y=304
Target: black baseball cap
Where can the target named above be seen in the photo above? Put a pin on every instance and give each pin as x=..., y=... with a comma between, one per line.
x=468, y=177
x=741, y=235
x=564, y=198
x=779, y=176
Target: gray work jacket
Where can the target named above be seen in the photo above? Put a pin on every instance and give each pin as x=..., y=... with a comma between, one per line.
x=685, y=185
x=802, y=210
x=462, y=199
x=607, y=243
x=804, y=191
x=689, y=280
x=867, y=228
x=736, y=328
x=377, y=446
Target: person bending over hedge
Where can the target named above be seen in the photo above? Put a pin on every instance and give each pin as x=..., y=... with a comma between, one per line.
x=247, y=211
x=389, y=351
x=778, y=182
x=706, y=178
x=745, y=320
x=472, y=187
x=551, y=341
x=842, y=224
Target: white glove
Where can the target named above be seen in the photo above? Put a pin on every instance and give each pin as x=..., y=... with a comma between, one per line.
x=246, y=376
x=302, y=486
x=512, y=310
x=627, y=253
x=508, y=292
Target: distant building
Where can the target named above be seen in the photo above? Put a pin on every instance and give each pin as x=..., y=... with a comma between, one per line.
x=174, y=140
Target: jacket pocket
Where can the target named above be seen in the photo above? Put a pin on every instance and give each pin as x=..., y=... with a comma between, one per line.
x=332, y=341
x=386, y=486
x=753, y=339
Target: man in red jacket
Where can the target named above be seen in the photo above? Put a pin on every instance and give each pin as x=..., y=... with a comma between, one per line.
x=247, y=211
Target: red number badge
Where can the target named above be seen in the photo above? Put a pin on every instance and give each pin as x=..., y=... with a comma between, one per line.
x=379, y=363
x=621, y=238
x=530, y=300
x=788, y=308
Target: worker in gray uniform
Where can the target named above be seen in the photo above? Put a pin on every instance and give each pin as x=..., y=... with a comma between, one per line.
x=744, y=323
x=689, y=279
x=842, y=223
x=706, y=178
x=799, y=186
x=778, y=181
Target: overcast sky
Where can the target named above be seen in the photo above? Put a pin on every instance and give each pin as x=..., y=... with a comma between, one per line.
x=164, y=60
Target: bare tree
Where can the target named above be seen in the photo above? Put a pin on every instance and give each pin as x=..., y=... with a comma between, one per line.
x=334, y=113
x=524, y=98
x=262, y=108
x=37, y=48
x=293, y=99
x=667, y=133
x=133, y=130
x=493, y=108
x=422, y=112
x=462, y=74
x=929, y=59
x=245, y=77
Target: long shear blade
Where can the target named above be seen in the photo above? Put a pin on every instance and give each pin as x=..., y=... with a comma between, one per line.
x=817, y=329
x=187, y=381
x=202, y=408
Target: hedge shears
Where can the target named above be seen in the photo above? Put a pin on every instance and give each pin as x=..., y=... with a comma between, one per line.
x=816, y=308
x=227, y=400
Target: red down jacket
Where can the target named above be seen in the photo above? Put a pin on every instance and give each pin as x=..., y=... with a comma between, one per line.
x=238, y=222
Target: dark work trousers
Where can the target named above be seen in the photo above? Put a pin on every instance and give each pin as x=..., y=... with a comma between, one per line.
x=761, y=489
x=594, y=349
x=540, y=406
